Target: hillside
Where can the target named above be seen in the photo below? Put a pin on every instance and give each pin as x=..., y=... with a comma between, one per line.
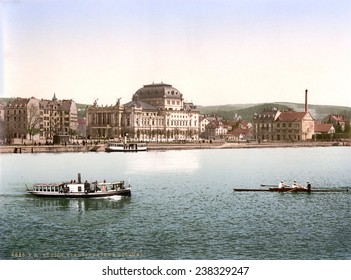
x=246, y=111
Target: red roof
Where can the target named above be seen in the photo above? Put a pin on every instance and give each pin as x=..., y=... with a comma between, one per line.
x=322, y=127
x=338, y=118
x=239, y=131
x=291, y=116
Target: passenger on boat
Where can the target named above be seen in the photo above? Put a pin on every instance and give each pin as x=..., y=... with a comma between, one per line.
x=86, y=186
x=104, y=188
x=309, y=186
x=96, y=188
x=281, y=184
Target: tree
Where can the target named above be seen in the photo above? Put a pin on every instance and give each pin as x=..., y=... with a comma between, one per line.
x=72, y=133
x=347, y=126
x=33, y=120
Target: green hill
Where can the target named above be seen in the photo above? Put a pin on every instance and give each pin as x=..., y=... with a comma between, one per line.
x=246, y=111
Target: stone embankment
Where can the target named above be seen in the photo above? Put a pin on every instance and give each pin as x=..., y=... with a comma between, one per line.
x=19, y=149
x=166, y=146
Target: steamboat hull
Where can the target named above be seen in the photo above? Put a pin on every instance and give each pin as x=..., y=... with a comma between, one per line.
x=125, y=192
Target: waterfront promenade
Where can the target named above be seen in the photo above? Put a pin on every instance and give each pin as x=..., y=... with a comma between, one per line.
x=166, y=146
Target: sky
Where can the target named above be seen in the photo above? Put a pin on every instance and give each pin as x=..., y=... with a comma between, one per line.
x=215, y=52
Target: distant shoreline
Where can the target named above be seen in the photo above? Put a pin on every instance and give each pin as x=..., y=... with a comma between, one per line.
x=166, y=146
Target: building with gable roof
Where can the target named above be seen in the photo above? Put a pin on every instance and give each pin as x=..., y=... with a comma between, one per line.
x=240, y=134
x=293, y=126
x=203, y=122
x=339, y=121
x=58, y=117
x=215, y=130
x=324, y=128
x=274, y=125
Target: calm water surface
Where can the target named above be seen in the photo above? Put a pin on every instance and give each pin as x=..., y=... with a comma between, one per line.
x=182, y=206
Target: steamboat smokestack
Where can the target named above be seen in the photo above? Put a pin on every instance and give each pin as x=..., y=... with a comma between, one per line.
x=306, y=101
x=79, y=179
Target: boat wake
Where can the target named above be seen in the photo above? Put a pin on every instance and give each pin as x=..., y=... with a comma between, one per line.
x=114, y=198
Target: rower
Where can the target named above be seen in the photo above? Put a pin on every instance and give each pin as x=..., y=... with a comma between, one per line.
x=295, y=184
x=309, y=186
x=281, y=184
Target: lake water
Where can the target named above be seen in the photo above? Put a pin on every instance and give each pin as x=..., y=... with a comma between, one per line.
x=182, y=206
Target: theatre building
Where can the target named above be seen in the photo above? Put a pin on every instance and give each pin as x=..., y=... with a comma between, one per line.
x=157, y=112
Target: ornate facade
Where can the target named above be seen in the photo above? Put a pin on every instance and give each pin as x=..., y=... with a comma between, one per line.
x=157, y=112
x=31, y=118
x=104, y=121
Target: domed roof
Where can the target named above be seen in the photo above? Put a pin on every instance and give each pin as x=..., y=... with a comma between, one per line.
x=158, y=91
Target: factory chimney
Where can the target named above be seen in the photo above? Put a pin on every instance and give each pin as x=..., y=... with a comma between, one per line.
x=306, y=101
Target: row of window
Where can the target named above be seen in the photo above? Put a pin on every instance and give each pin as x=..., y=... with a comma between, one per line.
x=173, y=102
x=16, y=119
x=18, y=126
x=281, y=137
x=42, y=112
x=278, y=125
x=296, y=125
x=14, y=112
x=296, y=131
x=180, y=123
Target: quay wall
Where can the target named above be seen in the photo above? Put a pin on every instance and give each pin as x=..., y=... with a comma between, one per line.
x=48, y=149
x=165, y=146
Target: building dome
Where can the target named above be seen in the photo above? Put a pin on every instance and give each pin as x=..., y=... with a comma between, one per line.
x=158, y=91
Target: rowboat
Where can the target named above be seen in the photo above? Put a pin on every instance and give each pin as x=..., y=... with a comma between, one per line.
x=78, y=189
x=291, y=189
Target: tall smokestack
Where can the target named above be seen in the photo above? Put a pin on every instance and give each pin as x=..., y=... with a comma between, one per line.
x=306, y=102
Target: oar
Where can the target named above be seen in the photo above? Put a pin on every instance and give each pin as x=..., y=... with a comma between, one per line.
x=263, y=185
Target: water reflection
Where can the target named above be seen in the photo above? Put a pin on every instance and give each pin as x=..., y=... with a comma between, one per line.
x=79, y=205
x=169, y=162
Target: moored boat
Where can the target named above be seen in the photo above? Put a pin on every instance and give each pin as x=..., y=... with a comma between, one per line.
x=125, y=147
x=81, y=190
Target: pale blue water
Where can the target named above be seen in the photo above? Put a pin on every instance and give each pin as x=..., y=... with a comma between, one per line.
x=182, y=206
